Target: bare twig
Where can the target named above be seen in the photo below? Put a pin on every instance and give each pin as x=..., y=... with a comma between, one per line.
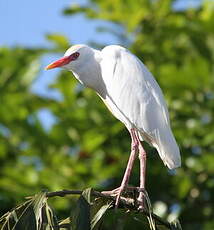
x=124, y=202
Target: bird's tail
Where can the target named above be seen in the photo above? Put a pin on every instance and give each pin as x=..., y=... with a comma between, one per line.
x=168, y=150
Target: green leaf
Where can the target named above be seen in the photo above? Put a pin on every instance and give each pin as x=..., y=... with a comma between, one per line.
x=22, y=217
x=75, y=8
x=65, y=224
x=99, y=208
x=81, y=217
x=34, y=214
x=31, y=72
x=38, y=203
x=49, y=220
x=59, y=40
x=87, y=194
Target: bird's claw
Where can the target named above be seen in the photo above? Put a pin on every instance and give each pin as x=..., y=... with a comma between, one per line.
x=115, y=193
x=141, y=202
x=118, y=192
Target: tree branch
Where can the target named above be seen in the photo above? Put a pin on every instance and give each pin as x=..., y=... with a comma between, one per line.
x=124, y=202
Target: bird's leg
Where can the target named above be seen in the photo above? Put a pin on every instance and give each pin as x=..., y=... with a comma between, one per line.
x=134, y=149
x=142, y=158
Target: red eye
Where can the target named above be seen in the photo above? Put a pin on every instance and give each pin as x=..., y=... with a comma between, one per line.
x=75, y=56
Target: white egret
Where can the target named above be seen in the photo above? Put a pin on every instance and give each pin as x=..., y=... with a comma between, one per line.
x=132, y=95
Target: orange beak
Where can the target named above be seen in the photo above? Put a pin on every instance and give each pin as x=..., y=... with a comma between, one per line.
x=59, y=63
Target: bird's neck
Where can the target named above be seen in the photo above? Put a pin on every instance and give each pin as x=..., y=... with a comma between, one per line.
x=90, y=75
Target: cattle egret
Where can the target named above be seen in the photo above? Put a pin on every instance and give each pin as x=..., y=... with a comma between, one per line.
x=133, y=96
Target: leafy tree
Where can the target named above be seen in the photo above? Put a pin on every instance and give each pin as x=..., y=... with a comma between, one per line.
x=87, y=146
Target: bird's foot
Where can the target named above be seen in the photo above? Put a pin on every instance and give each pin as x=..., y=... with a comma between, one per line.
x=118, y=192
x=143, y=201
x=115, y=193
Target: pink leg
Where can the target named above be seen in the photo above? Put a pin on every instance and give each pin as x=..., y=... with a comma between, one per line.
x=124, y=184
x=142, y=158
x=135, y=147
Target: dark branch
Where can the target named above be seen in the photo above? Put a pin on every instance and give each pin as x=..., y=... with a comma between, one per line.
x=124, y=202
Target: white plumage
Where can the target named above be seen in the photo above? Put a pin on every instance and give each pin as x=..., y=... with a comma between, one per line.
x=136, y=99
x=132, y=95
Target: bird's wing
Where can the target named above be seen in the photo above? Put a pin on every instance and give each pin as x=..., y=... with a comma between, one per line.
x=136, y=99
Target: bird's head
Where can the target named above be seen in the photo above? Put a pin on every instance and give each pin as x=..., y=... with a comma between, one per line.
x=83, y=61
x=74, y=58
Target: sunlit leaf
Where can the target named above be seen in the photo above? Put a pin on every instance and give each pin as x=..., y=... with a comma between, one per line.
x=99, y=208
x=59, y=40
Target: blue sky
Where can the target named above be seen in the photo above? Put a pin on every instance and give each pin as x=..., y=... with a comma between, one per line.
x=26, y=22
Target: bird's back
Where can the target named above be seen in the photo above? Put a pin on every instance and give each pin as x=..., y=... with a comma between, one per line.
x=135, y=98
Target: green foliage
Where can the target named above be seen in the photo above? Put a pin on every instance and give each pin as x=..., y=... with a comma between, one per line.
x=86, y=146
x=60, y=42
x=90, y=214
x=34, y=214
